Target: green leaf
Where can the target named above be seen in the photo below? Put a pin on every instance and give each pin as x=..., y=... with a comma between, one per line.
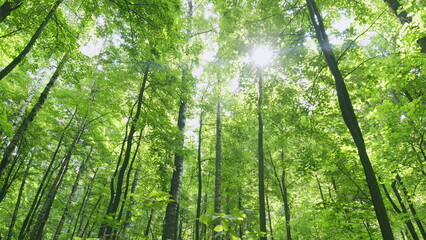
x=218, y=228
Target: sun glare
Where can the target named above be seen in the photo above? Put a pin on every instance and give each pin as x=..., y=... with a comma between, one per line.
x=262, y=56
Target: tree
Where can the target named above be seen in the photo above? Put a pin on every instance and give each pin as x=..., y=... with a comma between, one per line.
x=261, y=157
x=20, y=132
x=350, y=120
x=8, y=7
x=183, y=154
x=122, y=166
x=5, y=71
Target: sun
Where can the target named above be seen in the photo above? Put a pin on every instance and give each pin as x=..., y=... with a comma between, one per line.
x=262, y=56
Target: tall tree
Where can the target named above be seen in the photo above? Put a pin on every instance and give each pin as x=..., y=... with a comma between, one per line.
x=218, y=162
x=171, y=219
x=350, y=119
x=65, y=213
x=106, y=229
x=261, y=156
x=199, y=178
x=20, y=132
x=43, y=215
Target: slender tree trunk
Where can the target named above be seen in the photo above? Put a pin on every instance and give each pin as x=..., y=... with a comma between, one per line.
x=26, y=50
x=171, y=218
x=408, y=222
x=132, y=187
x=8, y=7
x=106, y=230
x=286, y=206
x=70, y=198
x=261, y=157
x=200, y=180
x=218, y=168
x=43, y=215
x=13, y=171
x=129, y=212
x=87, y=232
x=148, y=225
x=83, y=206
x=21, y=113
x=269, y=217
x=46, y=178
x=411, y=206
x=320, y=189
x=18, y=201
x=351, y=121
x=20, y=132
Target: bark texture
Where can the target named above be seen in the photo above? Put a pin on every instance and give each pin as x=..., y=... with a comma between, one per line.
x=171, y=218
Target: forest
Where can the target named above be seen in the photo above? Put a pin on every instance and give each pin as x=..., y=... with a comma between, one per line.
x=212, y=119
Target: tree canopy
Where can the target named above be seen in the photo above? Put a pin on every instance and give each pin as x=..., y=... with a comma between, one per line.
x=212, y=119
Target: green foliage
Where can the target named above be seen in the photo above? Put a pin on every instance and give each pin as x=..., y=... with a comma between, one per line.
x=111, y=42
x=225, y=224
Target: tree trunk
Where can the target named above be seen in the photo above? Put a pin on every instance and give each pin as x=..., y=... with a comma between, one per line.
x=286, y=206
x=171, y=218
x=408, y=222
x=18, y=201
x=21, y=113
x=83, y=206
x=43, y=215
x=269, y=217
x=411, y=206
x=42, y=185
x=7, y=7
x=148, y=225
x=200, y=180
x=26, y=50
x=12, y=173
x=85, y=231
x=129, y=212
x=20, y=132
x=351, y=121
x=105, y=230
x=261, y=156
x=218, y=171
x=70, y=198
